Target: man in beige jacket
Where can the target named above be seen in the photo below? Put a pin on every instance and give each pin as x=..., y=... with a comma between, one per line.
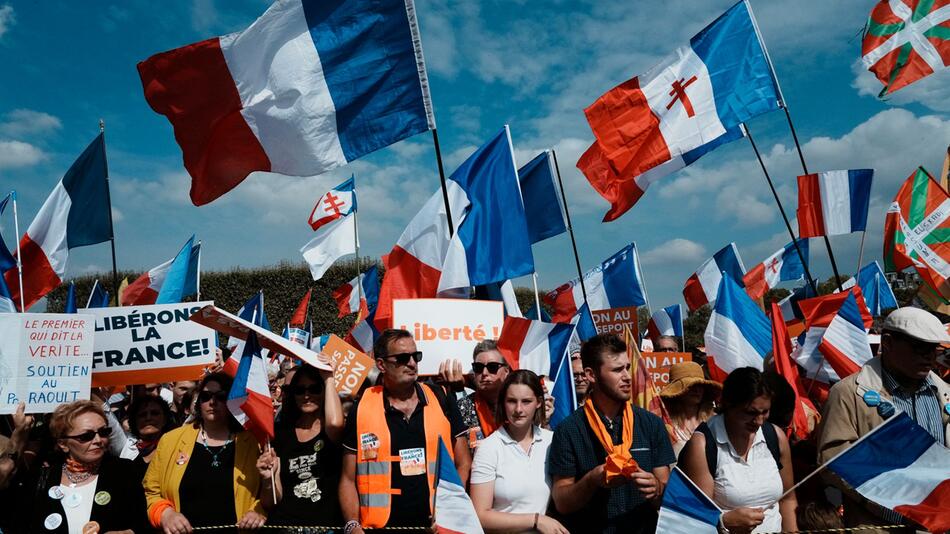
x=900, y=378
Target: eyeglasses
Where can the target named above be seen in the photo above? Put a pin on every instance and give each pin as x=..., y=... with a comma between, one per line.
x=493, y=367
x=90, y=435
x=205, y=396
x=403, y=358
x=312, y=389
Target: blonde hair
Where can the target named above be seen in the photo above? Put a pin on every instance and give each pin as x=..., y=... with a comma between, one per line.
x=62, y=419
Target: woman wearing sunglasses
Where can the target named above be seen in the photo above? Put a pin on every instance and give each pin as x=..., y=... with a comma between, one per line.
x=205, y=473
x=509, y=485
x=307, y=445
x=84, y=489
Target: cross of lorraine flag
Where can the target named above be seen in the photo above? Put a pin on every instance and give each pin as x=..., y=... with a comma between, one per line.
x=906, y=40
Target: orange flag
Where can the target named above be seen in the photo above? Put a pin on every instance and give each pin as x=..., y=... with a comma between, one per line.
x=300, y=314
x=806, y=415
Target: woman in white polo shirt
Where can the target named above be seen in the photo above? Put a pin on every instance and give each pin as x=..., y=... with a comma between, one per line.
x=509, y=485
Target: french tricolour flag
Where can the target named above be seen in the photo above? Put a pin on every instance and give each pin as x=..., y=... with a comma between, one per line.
x=686, y=509
x=145, y=289
x=666, y=322
x=309, y=86
x=783, y=265
x=898, y=465
x=701, y=288
x=74, y=215
x=534, y=345
x=833, y=202
x=334, y=204
x=354, y=296
x=249, y=399
x=453, y=509
x=253, y=312
x=836, y=341
x=6, y=301
x=876, y=290
x=738, y=333
x=696, y=98
x=615, y=283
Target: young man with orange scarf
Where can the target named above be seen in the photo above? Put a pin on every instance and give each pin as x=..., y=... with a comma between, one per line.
x=609, y=460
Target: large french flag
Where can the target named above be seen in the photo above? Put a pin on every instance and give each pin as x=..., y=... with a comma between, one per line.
x=249, y=399
x=686, y=509
x=74, y=215
x=701, y=288
x=453, y=509
x=534, y=345
x=899, y=466
x=695, y=98
x=666, y=321
x=542, y=201
x=311, y=85
x=145, y=289
x=783, y=265
x=615, y=283
x=833, y=202
x=738, y=333
x=836, y=343
x=356, y=295
x=503, y=292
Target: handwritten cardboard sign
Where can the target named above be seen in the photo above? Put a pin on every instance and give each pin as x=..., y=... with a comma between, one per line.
x=352, y=366
x=45, y=360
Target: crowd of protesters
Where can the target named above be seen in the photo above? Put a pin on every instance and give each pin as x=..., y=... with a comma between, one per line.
x=171, y=457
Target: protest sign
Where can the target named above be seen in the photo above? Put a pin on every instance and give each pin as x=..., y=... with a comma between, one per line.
x=144, y=344
x=45, y=360
x=448, y=328
x=615, y=320
x=658, y=364
x=352, y=366
x=233, y=326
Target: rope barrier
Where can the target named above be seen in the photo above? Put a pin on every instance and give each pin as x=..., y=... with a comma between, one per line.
x=309, y=529
x=845, y=529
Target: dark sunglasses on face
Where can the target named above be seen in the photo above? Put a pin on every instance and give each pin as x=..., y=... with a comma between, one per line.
x=403, y=358
x=493, y=367
x=205, y=396
x=312, y=389
x=90, y=435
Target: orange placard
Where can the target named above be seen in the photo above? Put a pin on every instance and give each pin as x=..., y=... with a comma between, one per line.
x=658, y=364
x=352, y=366
x=616, y=320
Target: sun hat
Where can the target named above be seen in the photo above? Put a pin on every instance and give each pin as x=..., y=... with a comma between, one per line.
x=685, y=375
x=916, y=323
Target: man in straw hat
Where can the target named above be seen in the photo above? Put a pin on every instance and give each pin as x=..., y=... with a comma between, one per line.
x=901, y=377
x=690, y=399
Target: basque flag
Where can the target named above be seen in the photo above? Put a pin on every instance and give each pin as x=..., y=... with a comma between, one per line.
x=783, y=265
x=615, y=283
x=98, y=297
x=7, y=261
x=533, y=345
x=833, y=202
x=145, y=289
x=686, y=509
x=696, y=98
x=542, y=202
x=701, y=288
x=453, y=510
x=311, y=85
x=70, y=306
x=666, y=322
x=900, y=466
x=6, y=301
x=334, y=204
x=249, y=399
x=877, y=292
x=357, y=295
x=74, y=215
x=836, y=336
x=738, y=333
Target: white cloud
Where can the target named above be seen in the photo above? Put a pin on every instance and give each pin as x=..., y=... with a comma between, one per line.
x=21, y=122
x=932, y=91
x=677, y=250
x=117, y=215
x=7, y=18
x=19, y=154
x=204, y=15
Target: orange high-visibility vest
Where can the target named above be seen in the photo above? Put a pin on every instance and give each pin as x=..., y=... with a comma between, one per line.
x=375, y=458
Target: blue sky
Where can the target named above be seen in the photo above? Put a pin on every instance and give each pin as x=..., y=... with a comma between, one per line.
x=534, y=65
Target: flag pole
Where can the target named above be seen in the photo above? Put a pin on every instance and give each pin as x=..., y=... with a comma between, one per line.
x=359, y=269
x=115, y=271
x=537, y=299
x=91, y=293
x=445, y=187
x=19, y=256
x=864, y=233
x=198, y=277
x=570, y=228
x=788, y=225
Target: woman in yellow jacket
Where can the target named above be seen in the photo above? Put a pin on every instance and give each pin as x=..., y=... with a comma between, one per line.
x=187, y=481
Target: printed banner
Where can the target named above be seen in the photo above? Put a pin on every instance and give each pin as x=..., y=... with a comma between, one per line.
x=613, y=321
x=45, y=360
x=146, y=344
x=658, y=364
x=448, y=328
x=352, y=366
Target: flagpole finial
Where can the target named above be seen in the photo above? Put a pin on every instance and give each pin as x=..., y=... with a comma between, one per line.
x=102, y=125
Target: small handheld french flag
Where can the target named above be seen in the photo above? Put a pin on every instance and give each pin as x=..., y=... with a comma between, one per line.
x=701, y=288
x=836, y=338
x=454, y=512
x=533, y=345
x=666, y=322
x=738, y=333
x=686, y=509
x=359, y=294
x=334, y=204
x=833, y=202
x=249, y=399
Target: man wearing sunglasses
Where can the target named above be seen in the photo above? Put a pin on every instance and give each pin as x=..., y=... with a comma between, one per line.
x=902, y=376
x=391, y=442
x=478, y=409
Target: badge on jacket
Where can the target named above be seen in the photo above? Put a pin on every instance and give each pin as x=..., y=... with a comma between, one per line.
x=369, y=444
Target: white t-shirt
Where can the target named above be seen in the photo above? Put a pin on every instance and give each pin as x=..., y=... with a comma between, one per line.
x=522, y=484
x=77, y=516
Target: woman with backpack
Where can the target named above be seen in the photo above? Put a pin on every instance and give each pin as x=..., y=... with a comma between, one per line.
x=743, y=462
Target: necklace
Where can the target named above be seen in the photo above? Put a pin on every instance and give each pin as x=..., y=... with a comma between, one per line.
x=214, y=455
x=76, y=478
